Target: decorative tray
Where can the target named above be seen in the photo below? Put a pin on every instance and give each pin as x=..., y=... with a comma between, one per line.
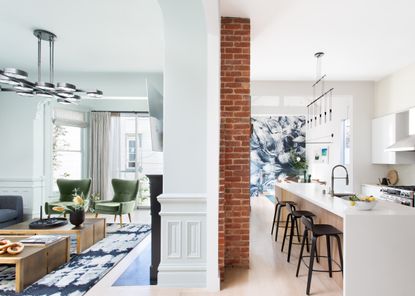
x=48, y=223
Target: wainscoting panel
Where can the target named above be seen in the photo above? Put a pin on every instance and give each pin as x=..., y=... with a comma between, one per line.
x=31, y=190
x=193, y=232
x=174, y=241
x=183, y=240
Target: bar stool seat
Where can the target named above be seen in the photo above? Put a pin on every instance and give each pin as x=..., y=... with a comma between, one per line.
x=299, y=214
x=319, y=230
x=292, y=220
x=325, y=229
x=277, y=215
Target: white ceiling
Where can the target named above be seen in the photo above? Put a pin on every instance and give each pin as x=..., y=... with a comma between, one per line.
x=93, y=35
x=363, y=39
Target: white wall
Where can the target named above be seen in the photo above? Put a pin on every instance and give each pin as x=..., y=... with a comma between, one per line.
x=191, y=144
x=396, y=93
x=361, y=92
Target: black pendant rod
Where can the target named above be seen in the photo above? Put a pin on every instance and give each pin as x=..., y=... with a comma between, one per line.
x=323, y=95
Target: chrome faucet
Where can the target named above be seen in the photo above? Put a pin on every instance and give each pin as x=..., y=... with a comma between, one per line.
x=332, y=177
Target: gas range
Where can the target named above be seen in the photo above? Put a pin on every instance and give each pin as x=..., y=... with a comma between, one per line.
x=399, y=194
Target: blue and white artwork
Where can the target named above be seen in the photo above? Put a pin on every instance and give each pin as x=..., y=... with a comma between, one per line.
x=277, y=150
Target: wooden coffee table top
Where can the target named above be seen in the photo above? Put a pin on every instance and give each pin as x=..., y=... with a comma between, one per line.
x=28, y=250
x=23, y=228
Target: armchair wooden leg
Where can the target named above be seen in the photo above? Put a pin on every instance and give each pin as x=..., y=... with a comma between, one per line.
x=115, y=218
x=96, y=215
x=64, y=215
x=49, y=216
x=121, y=220
x=129, y=217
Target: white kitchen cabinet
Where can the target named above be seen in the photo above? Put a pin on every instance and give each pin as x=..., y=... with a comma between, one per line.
x=386, y=130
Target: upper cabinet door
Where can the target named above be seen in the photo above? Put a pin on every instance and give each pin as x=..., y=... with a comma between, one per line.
x=386, y=131
x=383, y=135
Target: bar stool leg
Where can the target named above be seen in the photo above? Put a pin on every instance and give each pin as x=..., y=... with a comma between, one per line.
x=310, y=266
x=273, y=220
x=317, y=259
x=293, y=222
x=298, y=230
x=278, y=221
x=285, y=231
x=305, y=239
x=339, y=245
x=329, y=255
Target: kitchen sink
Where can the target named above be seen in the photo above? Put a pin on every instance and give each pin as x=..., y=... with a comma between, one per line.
x=343, y=195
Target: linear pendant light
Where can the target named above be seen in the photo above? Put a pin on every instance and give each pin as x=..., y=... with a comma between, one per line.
x=65, y=93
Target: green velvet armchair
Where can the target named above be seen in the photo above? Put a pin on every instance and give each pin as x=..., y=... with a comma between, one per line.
x=66, y=188
x=123, y=202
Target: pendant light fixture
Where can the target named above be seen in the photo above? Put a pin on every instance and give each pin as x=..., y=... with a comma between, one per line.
x=320, y=110
x=64, y=92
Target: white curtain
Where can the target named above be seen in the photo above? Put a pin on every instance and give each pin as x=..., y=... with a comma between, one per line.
x=99, y=164
x=115, y=149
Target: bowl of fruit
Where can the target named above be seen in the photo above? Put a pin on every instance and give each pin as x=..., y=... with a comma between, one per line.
x=362, y=203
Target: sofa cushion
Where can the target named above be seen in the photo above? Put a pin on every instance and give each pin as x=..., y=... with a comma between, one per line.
x=112, y=206
x=7, y=215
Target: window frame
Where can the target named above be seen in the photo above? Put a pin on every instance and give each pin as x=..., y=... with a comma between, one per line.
x=83, y=152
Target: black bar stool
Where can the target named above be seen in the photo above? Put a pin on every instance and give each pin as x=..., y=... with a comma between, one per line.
x=318, y=230
x=277, y=215
x=292, y=218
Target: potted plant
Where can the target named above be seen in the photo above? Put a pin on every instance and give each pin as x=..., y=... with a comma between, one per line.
x=77, y=211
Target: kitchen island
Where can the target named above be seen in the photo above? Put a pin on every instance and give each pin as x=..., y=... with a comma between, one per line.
x=377, y=244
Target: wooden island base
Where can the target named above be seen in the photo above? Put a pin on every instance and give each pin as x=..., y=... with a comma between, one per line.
x=322, y=216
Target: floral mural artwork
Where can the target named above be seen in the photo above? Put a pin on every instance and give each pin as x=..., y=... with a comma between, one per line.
x=277, y=151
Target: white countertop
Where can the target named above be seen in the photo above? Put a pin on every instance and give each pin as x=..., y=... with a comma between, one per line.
x=313, y=193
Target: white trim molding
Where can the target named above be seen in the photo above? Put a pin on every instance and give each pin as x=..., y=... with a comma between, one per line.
x=31, y=190
x=183, y=240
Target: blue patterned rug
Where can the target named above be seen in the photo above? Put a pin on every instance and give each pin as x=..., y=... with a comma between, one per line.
x=84, y=270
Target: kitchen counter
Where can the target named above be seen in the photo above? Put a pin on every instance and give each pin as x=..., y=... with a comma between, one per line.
x=377, y=244
x=313, y=192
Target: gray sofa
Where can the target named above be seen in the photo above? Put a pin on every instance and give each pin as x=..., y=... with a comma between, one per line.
x=11, y=210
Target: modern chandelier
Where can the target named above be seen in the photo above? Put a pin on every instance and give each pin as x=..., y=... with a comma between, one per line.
x=320, y=110
x=18, y=80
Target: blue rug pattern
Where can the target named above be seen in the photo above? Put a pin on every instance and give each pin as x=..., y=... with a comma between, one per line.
x=84, y=270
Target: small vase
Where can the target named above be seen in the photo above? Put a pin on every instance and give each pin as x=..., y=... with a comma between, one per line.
x=77, y=218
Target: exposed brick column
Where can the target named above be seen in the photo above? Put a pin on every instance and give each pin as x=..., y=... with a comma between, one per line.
x=234, y=197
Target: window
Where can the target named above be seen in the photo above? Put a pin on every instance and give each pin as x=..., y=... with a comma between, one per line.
x=67, y=153
x=132, y=152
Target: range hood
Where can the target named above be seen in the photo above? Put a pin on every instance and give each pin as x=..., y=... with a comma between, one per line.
x=407, y=143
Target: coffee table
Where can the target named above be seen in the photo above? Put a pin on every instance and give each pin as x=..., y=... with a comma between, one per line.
x=35, y=261
x=89, y=233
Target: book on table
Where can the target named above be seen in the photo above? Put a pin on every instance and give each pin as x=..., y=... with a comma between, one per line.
x=40, y=239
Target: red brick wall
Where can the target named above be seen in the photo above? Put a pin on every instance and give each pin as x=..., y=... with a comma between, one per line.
x=234, y=143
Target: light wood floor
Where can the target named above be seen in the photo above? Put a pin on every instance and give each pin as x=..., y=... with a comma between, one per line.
x=269, y=272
